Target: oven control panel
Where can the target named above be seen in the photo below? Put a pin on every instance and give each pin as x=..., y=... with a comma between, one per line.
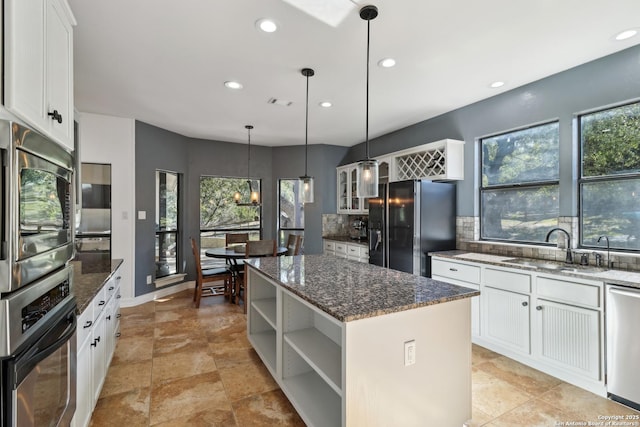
x=40, y=306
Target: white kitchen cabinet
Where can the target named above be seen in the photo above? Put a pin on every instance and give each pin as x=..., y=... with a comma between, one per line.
x=348, y=201
x=329, y=247
x=39, y=65
x=439, y=160
x=568, y=326
x=96, y=340
x=506, y=319
x=352, y=251
x=462, y=274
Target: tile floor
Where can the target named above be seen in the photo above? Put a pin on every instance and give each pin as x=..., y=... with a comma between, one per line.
x=175, y=365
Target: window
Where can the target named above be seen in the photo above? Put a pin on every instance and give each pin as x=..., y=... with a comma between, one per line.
x=167, y=248
x=220, y=215
x=291, y=210
x=610, y=177
x=519, y=189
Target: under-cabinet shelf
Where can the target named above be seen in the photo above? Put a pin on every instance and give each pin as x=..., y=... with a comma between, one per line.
x=265, y=345
x=267, y=309
x=321, y=353
x=314, y=399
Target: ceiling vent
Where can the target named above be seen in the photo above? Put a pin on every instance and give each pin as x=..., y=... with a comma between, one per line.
x=282, y=102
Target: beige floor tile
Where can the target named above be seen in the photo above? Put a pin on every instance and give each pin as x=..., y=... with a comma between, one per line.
x=174, y=302
x=130, y=408
x=136, y=330
x=534, y=413
x=478, y=417
x=266, y=410
x=494, y=396
x=589, y=406
x=518, y=375
x=133, y=349
x=228, y=358
x=481, y=354
x=142, y=318
x=126, y=376
x=163, y=346
x=186, y=396
x=148, y=307
x=209, y=418
x=247, y=379
x=173, y=315
x=181, y=365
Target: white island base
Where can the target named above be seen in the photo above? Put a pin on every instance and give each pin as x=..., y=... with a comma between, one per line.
x=353, y=373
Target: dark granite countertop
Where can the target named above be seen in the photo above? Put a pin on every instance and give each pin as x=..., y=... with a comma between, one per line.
x=350, y=290
x=89, y=276
x=347, y=239
x=610, y=276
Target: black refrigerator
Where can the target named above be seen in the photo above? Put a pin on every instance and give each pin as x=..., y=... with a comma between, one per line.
x=408, y=220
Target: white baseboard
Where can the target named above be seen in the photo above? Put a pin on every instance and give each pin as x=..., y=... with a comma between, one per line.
x=159, y=293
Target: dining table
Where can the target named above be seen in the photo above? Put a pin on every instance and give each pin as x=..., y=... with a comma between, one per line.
x=232, y=255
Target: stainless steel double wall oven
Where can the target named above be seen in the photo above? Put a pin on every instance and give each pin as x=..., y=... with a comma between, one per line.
x=37, y=306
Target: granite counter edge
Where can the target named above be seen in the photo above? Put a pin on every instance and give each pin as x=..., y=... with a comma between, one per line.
x=86, y=291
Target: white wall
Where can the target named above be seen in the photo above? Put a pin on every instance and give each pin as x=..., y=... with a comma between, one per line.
x=107, y=139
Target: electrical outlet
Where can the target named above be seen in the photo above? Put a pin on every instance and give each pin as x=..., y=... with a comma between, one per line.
x=149, y=279
x=409, y=352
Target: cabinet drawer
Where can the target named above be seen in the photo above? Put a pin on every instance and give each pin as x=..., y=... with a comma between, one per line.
x=454, y=270
x=341, y=248
x=329, y=245
x=569, y=291
x=85, y=323
x=507, y=280
x=99, y=302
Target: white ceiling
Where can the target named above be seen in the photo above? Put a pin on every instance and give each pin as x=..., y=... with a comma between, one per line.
x=164, y=62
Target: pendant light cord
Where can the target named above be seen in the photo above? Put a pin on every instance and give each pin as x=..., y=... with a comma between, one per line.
x=249, y=127
x=367, y=112
x=306, y=130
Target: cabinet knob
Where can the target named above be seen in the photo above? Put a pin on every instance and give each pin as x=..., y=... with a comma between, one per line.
x=111, y=288
x=118, y=335
x=55, y=116
x=102, y=303
x=539, y=308
x=109, y=317
x=524, y=303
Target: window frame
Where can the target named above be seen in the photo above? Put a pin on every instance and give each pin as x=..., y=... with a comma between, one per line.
x=482, y=189
x=282, y=239
x=610, y=178
x=161, y=233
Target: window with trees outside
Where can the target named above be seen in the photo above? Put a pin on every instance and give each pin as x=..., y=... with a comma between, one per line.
x=219, y=214
x=519, y=189
x=610, y=177
x=166, y=248
x=291, y=210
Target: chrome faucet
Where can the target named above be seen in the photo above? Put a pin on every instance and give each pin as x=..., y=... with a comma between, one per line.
x=569, y=258
x=609, y=263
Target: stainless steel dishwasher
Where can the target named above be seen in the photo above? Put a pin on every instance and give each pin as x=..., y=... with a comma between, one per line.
x=623, y=344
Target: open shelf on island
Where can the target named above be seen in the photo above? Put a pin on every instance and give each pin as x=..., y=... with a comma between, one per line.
x=265, y=345
x=267, y=309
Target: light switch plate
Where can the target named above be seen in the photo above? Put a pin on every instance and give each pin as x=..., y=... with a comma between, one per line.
x=409, y=353
x=142, y=214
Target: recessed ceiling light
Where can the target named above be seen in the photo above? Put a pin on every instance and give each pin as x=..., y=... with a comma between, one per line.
x=266, y=25
x=387, y=62
x=325, y=104
x=626, y=34
x=496, y=84
x=233, y=85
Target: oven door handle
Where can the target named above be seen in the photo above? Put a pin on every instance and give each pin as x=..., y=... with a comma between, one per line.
x=36, y=354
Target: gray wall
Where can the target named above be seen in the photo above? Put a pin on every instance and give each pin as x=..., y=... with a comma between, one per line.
x=609, y=80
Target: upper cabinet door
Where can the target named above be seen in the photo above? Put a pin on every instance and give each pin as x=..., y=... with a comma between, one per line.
x=38, y=63
x=59, y=73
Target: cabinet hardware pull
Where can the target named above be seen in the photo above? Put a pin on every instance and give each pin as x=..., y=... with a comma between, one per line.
x=118, y=296
x=109, y=317
x=111, y=288
x=539, y=308
x=524, y=303
x=55, y=116
x=453, y=269
x=118, y=315
x=102, y=303
x=118, y=335
x=88, y=324
x=95, y=342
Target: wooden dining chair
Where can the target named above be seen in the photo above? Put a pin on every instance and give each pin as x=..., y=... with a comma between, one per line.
x=231, y=238
x=294, y=244
x=255, y=248
x=222, y=276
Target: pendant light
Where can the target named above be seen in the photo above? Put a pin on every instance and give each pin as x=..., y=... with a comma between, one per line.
x=254, y=196
x=306, y=196
x=367, y=181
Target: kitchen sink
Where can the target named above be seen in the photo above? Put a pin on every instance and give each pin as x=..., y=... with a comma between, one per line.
x=554, y=266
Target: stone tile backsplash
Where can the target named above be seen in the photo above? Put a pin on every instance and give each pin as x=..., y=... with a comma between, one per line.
x=468, y=239
x=335, y=225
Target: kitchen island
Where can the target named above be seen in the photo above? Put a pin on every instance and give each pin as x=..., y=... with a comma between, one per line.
x=353, y=344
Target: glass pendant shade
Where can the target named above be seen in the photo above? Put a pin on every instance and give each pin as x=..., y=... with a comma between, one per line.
x=306, y=191
x=237, y=196
x=255, y=197
x=367, y=178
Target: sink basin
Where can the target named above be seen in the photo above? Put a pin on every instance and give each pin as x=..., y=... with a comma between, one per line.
x=554, y=266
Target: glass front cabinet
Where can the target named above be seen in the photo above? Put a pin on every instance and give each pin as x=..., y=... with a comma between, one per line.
x=348, y=201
